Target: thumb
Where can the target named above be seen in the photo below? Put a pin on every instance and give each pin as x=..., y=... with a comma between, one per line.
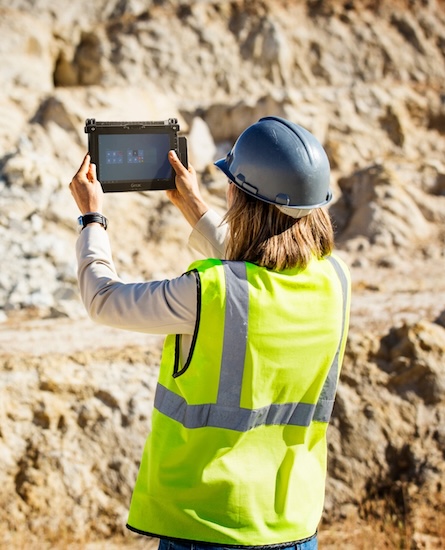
x=85, y=164
x=92, y=172
x=176, y=164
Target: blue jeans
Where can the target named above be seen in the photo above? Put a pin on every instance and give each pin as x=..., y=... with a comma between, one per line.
x=164, y=544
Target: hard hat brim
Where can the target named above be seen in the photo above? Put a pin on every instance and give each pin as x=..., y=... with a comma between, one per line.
x=222, y=165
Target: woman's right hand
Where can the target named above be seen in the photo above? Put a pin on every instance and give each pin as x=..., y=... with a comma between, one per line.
x=187, y=195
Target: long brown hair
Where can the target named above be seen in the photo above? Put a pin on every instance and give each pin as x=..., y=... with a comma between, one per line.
x=261, y=234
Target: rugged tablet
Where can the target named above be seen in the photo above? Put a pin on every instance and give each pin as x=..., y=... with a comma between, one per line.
x=132, y=156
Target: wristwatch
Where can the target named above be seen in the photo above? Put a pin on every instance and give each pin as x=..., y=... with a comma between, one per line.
x=92, y=217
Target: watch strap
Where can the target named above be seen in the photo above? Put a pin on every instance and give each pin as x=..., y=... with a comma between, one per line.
x=92, y=217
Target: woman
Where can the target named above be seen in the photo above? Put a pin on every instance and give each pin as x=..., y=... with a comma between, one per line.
x=237, y=452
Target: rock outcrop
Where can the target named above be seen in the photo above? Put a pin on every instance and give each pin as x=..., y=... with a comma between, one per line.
x=366, y=77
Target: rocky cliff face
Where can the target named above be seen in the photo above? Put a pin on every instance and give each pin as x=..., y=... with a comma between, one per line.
x=367, y=79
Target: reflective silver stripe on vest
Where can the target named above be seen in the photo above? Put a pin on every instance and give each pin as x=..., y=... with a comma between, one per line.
x=235, y=341
x=226, y=412
x=326, y=400
x=217, y=415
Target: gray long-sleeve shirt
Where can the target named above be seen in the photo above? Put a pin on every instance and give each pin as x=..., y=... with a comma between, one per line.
x=155, y=307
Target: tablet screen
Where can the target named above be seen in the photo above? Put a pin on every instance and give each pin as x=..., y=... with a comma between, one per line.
x=133, y=157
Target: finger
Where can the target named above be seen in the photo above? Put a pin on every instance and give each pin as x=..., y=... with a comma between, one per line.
x=171, y=194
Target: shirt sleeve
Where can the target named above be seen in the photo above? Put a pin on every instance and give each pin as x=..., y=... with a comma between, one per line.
x=156, y=307
x=209, y=235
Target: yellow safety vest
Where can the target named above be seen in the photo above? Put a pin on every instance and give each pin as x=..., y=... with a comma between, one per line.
x=237, y=452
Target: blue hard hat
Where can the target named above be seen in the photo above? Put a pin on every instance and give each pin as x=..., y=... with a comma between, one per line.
x=281, y=163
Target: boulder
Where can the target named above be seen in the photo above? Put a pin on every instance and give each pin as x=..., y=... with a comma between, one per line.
x=375, y=204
